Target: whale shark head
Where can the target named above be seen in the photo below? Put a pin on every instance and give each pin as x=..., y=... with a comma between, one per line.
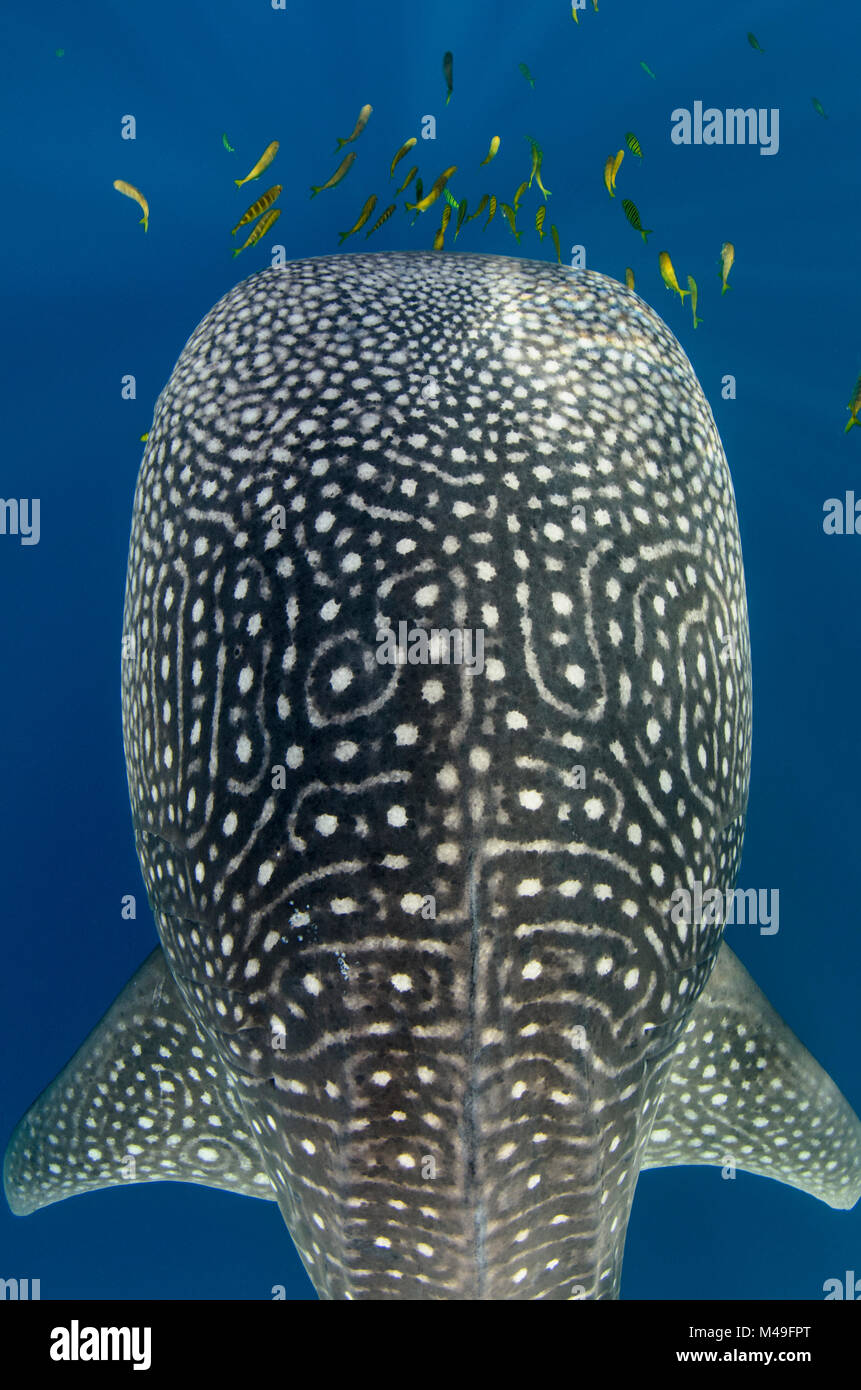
x=421, y=979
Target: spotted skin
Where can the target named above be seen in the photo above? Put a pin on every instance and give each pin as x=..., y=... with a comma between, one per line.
x=451, y=1038
x=143, y=1100
x=798, y=1128
x=421, y=915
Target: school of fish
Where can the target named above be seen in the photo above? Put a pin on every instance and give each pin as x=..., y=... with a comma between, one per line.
x=262, y=215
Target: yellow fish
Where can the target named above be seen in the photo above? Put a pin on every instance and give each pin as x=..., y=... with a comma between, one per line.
x=363, y=217
x=555, y=235
x=437, y=189
x=519, y=194
x=574, y=13
x=408, y=180
x=145, y=437
x=383, y=217
x=692, y=286
x=536, y=164
x=263, y=163
x=364, y=117
x=131, y=192
x=494, y=146
x=629, y=277
x=260, y=206
x=539, y=221
x=511, y=216
x=440, y=236
x=537, y=157
x=260, y=230
x=405, y=149
x=419, y=192
x=608, y=175
x=611, y=169
x=480, y=209
x=853, y=407
x=339, y=173
x=727, y=256
x=668, y=275
x=492, y=213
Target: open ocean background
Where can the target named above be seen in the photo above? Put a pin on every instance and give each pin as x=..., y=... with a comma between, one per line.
x=88, y=298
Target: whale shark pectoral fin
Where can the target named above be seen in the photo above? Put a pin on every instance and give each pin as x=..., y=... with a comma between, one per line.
x=755, y=1098
x=143, y=1099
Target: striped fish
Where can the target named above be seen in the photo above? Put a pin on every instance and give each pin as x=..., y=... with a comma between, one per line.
x=633, y=215
x=383, y=217
x=252, y=213
x=266, y=222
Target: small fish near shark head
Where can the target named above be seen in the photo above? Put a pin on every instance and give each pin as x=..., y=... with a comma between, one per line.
x=419, y=981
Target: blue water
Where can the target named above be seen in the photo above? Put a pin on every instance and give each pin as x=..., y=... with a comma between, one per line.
x=90, y=298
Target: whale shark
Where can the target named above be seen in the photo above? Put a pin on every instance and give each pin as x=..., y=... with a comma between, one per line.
x=421, y=978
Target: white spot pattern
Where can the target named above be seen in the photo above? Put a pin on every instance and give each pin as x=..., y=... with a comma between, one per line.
x=483, y=889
